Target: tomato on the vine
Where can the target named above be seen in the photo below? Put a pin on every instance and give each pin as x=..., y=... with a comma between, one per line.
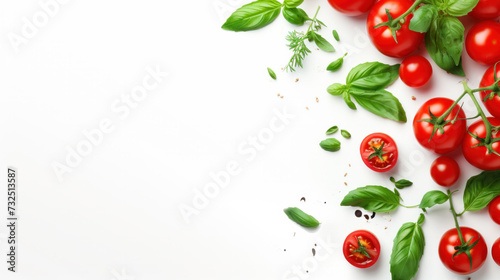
x=352, y=8
x=486, y=9
x=494, y=209
x=460, y=263
x=444, y=137
x=476, y=153
x=379, y=152
x=361, y=248
x=407, y=40
x=415, y=71
x=483, y=42
x=445, y=171
x=492, y=104
x=495, y=251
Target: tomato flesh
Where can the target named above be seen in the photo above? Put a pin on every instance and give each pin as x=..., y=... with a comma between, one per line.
x=387, y=155
x=369, y=253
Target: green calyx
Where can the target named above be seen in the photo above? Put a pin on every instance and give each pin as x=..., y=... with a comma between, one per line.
x=361, y=249
x=394, y=25
x=378, y=152
x=485, y=143
x=465, y=249
x=439, y=122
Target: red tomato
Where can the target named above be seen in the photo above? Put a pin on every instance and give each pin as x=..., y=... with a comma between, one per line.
x=483, y=42
x=408, y=41
x=460, y=263
x=361, y=248
x=415, y=71
x=479, y=156
x=486, y=9
x=453, y=135
x=379, y=152
x=493, y=105
x=494, y=209
x=495, y=251
x=445, y=171
x=352, y=8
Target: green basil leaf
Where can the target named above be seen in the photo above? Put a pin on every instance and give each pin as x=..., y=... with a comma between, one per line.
x=380, y=102
x=372, y=198
x=293, y=3
x=345, y=134
x=301, y=218
x=422, y=18
x=295, y=15
x=372, y=75
x=451, y=32
x=437, y=49
x=332, y=130
x=322, y=43
x=481, y=189
x=458, y=8
x=407, y=250
x=401, y=184
x=335, y=35
x=432, y=198
x=271, y=73
x=336, y=89
x=330, y=144
x=253, y=16
x=334, y=66
x=348, y=100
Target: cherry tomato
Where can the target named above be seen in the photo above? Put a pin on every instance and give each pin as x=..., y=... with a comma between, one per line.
x=495, y=251
x=352, y=8
x=493, y=105
x=379, y=152
x=445, y=171
x=486, y=9
x=479, y=156
x=361, y=248
x=460, y=263
x=440, y=142
x=408, y=41
x=494, y=209
x=415, y=71
x=483, y=42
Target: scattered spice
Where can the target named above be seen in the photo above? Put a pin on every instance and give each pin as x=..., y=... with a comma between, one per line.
x=413, y=98
x=317, y=99
x=314, y=252
x=385, y=227
x=303, y=199
x=297, y=79
x=307, y=108
x=281, y=96
x=373, y=215
x=366, y=217
x=345, y=174
x=345, y=183
x=349, y=165
x=278, y=94
x=358, y=213
x=315, y=244
x=284, y=250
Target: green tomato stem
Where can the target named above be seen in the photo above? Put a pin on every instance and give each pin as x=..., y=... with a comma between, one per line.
x=452, y=208
x=487, y=123
x=313, y=20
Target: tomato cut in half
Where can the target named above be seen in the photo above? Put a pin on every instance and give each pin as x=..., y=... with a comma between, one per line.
x=361, y=248
x=379, y=152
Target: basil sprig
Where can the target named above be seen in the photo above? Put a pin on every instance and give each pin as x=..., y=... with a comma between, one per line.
x=372, y=198
x=301, y=218
x=481, y=189
x=366, y=83
x=401, y=183
x=407, y=250
x=253, y=16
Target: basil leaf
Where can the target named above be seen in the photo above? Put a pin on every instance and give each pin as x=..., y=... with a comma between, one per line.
x=330, y=144
x=271, y=73
x=372, y=198
x=295, y=15
x=253, y=16
x=437, y=49
x=451, y=32
x=335, y=35
x=345, y=134
x=458, y=8
x=401, y=184
x=481, y=189
x=380, y=102
x=332, y=130
x=348, y=100
x=432, y=198
x=407, y=250
x=301, y=218
x=422, y=18
x=334, y=66
x=336, y=89
x=293, y=3
x=322, y=43
x=372, y=75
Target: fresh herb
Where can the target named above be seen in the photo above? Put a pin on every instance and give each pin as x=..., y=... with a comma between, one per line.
x=253, y=16
x=432, y=198
x=271, y=73
x=330, y=144
x=335, y=35
x=334, y=66
x=401, y=184
x=345, y=134
x=372, y=198
x=332, y=130
x=301, y=218
x=480, y=190
x=295, y=16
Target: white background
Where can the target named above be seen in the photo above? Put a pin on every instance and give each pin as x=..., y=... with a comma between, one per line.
x=117, y=215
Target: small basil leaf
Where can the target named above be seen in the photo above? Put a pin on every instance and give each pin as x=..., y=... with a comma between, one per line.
x=335, y=35
x=301, y=218
x=295, y=15
x=481, y=189
x=253, y=16
x=451, y=32
x=293, y=3
x=322, y=43
x=345, y=134
x=458, y=8
x=380, y=102
x=336, y=89
x=372, y=198
x=330, y=144
x=348, y=100
x=403, y=183
x=332, y=130
x=334, y=66
x=422, y=18
x=372, y=75
x=407, y=250
x=271, y=73
x=432, y=198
